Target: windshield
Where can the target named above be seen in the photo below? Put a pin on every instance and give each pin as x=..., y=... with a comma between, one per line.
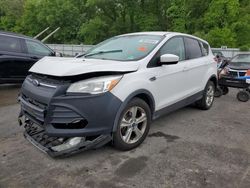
x=241, y=58
x=124, y=48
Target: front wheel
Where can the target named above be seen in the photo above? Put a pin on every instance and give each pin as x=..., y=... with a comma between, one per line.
x=208, y=97
x=133, y=125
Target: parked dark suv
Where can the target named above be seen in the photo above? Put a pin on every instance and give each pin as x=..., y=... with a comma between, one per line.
x=17, y=54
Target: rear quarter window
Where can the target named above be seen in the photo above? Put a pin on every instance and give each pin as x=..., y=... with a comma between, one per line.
x=204, y=49
x=10, y=44
x=193, y=48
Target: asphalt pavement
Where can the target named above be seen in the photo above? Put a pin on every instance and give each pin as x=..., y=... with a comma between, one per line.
x=187, y=148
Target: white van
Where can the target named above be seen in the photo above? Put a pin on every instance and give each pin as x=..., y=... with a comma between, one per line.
x=114, y=91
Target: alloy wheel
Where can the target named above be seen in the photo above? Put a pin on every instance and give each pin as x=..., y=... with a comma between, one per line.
x=210, y=95
x=133, y=124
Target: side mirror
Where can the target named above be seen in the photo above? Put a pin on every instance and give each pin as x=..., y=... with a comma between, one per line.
x=169, y=59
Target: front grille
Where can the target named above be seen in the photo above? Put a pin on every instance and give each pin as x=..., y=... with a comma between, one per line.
x=33, y=109
x=43, y=83
x=237, y=73
x=34, y=102
x=38, y=105
x=50, y=80
x=233, y=74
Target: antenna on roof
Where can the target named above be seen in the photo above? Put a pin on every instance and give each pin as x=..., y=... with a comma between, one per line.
x=38, y=35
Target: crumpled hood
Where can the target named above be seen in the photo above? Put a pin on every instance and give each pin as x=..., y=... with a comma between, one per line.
x=61, y=66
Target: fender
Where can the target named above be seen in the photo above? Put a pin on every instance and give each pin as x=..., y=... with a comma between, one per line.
x=126, y=101
x=214, y=79
x=210, y=74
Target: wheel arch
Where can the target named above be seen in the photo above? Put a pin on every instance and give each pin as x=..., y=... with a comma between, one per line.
x=143, y=94
x=214, y=79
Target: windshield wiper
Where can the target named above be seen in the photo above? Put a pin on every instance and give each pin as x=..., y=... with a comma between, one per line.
x=102, y=52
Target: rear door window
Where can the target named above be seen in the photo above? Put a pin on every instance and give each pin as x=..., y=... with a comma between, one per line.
x=193, y=48
x=34, y=48
x=10, y=44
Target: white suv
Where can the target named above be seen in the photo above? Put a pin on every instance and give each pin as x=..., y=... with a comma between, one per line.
x=115, y=90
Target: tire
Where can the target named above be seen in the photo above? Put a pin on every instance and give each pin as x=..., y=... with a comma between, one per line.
x=218, y=92
x=134, y=124
x=225, y=90
x=206, y=102
x=243, y=96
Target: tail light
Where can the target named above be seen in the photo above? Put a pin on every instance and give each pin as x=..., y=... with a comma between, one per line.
x=248, y=73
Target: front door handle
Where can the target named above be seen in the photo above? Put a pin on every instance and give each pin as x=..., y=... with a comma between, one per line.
x=153, y=79
x=34, y=57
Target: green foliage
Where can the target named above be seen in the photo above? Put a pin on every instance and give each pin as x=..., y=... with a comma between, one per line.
x=10, y=12
x=221, y=13
x=221, y=37
x=221, y=22
x=244, y=48
x=39, y=15
x=90, y=31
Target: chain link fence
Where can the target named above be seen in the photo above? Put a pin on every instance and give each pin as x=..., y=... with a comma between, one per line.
x=69, y=50
x=229, y=52
x=73, y=50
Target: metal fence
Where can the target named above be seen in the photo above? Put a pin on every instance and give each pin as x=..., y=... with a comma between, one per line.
x=229, y=52
x=73, y=50
x=70, y=50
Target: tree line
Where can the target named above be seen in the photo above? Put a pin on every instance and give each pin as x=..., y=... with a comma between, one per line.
x=221, y=22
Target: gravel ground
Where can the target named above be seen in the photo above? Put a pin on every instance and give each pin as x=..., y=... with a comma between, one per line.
x=188, y=148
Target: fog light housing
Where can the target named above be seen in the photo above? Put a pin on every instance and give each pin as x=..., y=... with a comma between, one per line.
x=70, y=143
x=76, y=124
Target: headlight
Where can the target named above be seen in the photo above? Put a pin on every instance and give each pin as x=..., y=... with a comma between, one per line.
x=95, y=85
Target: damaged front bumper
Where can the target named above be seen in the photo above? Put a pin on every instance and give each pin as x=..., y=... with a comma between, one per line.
x=235, y=82
x=61, y=124
x=58, y=146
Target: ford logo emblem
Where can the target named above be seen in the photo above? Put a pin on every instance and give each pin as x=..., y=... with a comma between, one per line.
x=36, y=82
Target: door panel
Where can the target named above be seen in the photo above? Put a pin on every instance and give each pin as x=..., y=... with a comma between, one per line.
x=14, y=62
x=197, y=68
x=14, y=65
x=171, y=83
x=196, y=65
